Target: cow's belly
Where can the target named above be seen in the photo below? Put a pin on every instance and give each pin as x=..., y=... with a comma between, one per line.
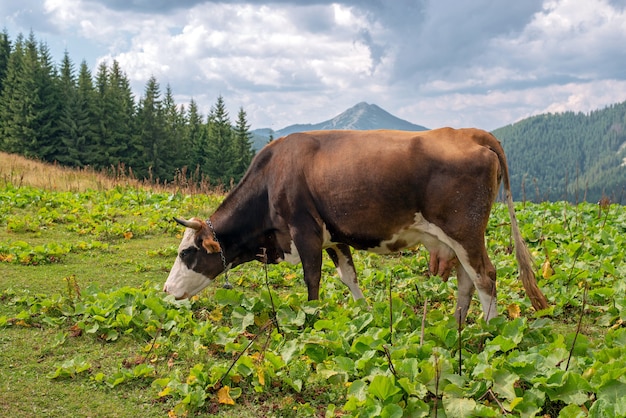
x=420, y=232
x=443, y=250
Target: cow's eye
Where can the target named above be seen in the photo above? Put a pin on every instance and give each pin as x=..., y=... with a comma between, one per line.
x=187, y=251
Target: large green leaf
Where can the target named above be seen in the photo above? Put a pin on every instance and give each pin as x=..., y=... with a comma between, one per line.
x=611, y=400
x=241, y=319
x=568, y=387
x=384, y=388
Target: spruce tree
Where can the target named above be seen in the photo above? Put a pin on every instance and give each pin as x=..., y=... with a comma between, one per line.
x=122, y=111
x=48, y=145
x=115, y=108
x=196, y=141
x=151, y=133
x=243, y=145
x=86, y=119
x=96, y=152
x=54, y=114
x=174, y=123
x=68, y=131
x=18, y=101
x=5, y=54
x=221, y=156
x=78, y=122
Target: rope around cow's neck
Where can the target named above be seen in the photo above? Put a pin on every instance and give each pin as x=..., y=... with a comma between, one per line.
x=226, y=284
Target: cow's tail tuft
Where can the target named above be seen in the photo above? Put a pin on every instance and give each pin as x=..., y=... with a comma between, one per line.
x=524, y=260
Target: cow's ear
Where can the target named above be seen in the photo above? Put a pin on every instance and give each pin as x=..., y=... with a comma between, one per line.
x=211, y=246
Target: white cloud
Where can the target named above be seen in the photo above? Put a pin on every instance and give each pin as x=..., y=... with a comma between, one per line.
x=571, y=38
x=480, y=63
x=245, y=49
x=496, y=108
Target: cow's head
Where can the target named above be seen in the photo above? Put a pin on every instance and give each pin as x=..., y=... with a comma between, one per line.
x=198, y=262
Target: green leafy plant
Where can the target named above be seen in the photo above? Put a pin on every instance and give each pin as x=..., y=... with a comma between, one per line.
x=399, y=353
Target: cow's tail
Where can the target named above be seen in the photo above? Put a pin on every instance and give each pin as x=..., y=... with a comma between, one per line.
x=524, y=260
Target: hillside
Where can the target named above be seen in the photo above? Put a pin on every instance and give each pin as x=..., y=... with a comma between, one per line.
x=568, y=156
x=361, y=116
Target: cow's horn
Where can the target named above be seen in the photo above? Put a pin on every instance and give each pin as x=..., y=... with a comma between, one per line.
x=192, y=223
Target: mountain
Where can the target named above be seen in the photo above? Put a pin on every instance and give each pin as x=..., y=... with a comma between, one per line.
x=362, y=116
x=568, y=156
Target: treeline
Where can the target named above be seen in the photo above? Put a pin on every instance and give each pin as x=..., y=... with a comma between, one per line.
x=568, y=156
x=57, y=113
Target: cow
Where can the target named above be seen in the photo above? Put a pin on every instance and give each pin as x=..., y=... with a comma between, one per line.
x=380, y=191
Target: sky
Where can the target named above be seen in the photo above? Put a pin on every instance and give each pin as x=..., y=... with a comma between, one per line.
x=459, y=63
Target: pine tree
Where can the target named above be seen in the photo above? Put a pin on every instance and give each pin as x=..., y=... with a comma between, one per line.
x=18, y=101
x=174, y=119
x=123, y=111
x=243, y=145
x=68, y=131
x=196, y=140
x=86, y=120
x=115, y=109
x=151, y=132
x=48, y=145
x=221, y=156
x=5, y=54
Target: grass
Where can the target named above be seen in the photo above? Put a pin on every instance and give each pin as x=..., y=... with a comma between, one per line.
x=29, y=354
x=93, y=267
x=21, y=171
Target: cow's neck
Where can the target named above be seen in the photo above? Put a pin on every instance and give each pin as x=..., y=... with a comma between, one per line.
x=239, y=224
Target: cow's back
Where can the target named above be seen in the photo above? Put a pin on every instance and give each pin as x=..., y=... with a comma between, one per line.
x=367, y=184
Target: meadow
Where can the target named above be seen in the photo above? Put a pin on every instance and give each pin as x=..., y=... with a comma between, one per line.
x=85, y=329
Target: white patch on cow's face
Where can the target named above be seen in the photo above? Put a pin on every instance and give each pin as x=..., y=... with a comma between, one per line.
x=183, y=282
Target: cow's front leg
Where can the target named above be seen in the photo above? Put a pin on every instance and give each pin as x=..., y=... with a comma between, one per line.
x=310, y=251
x=312, y=266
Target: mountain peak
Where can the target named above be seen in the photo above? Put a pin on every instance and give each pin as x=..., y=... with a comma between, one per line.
x=364, y=116
x=361, y=116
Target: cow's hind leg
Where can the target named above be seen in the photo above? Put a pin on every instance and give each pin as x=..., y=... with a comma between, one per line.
x=465, y=290
x=342, y=257
x=482, y=275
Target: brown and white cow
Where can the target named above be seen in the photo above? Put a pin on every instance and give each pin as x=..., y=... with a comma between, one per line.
x=380, y=191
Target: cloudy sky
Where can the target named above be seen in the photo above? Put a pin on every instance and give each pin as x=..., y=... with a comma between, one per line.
x=483, y=63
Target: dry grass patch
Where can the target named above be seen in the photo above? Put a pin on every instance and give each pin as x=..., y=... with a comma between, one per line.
x=20, y=171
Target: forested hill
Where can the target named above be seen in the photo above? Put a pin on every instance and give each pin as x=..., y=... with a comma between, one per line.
x=568, y=156
x=64, y=114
